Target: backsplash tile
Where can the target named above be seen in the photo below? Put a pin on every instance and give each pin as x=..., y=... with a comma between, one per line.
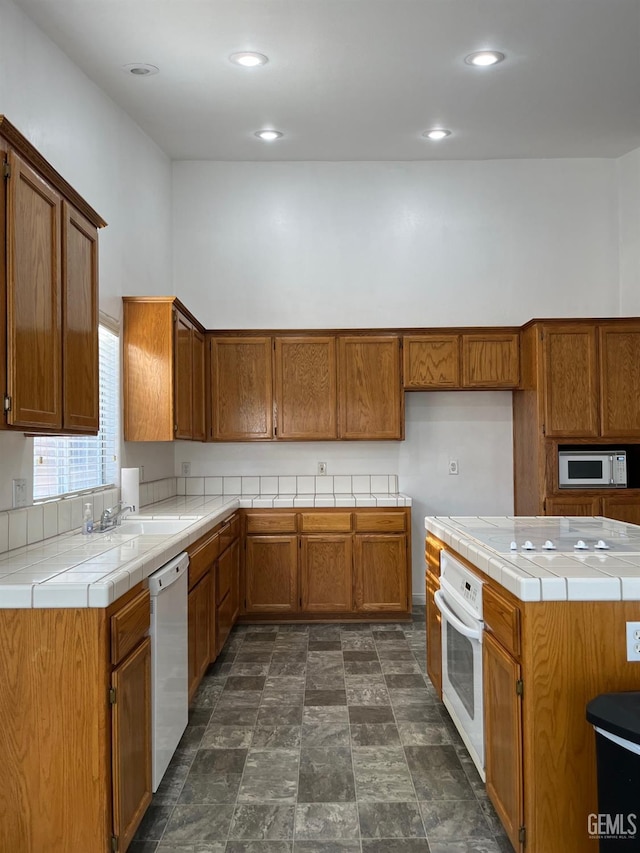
x=361, y=484
x=17, y=529
x=231, y=485
x=342, y=485
x=35, y=524
x=194, y=485
x=50, y=519
x=213, y=485
x=324, y=485
x=287, y=485
x=268, y=485
x=4, y=531
x=250, y=486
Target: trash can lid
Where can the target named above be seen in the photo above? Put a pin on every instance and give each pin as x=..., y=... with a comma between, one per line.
x=617, y=713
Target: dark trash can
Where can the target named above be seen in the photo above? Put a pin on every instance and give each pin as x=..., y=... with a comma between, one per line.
x=616, y=719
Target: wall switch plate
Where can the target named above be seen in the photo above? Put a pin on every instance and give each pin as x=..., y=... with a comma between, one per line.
x=453, y=466
x=322, y=469
x=19, y=492
x=186, y=469
x=633, y=641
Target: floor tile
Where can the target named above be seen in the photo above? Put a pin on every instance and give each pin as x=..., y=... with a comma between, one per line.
x=374, y=695
x=390, y=820
x=288, y=667
x=276, y=737
x=326, y=734
x=258, y=847
x=437, y=773
x=325, y=697
x=362, y=667
x=267, y=636
x=370, y=714
x=248, y=668
x=229, y=737
x=325, y=680
x=241, y=717
x=270, y=775
x=402, y=681
x=317, y=821
x=422, y=734
x=395, y=845
x=279, y=715
x=212, y=761
x=476, y=846
x=260, y=821
x=335, y=846
x=244, y=682
x=360, y=655
x=191, y=823
x=450, y=820
x=382, y=775
x=325, y=645
x=418, y=714
x=374, y=734
x=399, y=667
x=326, y=775
x=154, y=823
x=408, y=695
x=209, y=788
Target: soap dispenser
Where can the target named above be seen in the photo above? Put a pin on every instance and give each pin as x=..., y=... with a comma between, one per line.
x=87, y=520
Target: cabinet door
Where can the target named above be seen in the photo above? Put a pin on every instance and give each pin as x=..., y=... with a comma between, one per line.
x=241, y=392
x=305, y=383
x=271, y=574
x=198, y=407
x=431, y=362
x=183, y=376
x=325, y=573
x=200, y=601
x=622, y=507
x=371, y=398
x=620, y=380
x=34, y=299
x=503, y=736
x=434, y=635
x=228, y=593
x=570, y=381
x=587, y=505
x=131, y=742
x=80, y=382
x=380, y=569
x=491, y=361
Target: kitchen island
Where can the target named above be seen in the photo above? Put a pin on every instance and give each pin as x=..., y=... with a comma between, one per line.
x=557, y=594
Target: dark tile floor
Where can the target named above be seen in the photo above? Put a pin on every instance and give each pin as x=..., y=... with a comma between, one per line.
x=321, y=739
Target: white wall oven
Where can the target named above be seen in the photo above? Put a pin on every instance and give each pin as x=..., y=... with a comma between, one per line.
x=459, y=601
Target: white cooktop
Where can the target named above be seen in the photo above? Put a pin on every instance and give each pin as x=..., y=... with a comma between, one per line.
x=549, y=558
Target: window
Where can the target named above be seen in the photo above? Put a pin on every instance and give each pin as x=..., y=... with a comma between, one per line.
x=72, y=464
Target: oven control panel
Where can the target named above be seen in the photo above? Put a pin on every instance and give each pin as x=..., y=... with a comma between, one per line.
x=462, y=582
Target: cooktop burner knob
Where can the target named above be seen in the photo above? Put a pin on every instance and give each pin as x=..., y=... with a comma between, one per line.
x=528, y=545
x=514, y=546
x=581, y=545
x=602, y=545
x=549, y=546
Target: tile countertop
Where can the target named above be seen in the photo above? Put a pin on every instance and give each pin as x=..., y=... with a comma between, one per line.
x=537, y=574
x=73, y=570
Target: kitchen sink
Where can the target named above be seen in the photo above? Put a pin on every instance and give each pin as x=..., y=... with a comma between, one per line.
x=158, y=526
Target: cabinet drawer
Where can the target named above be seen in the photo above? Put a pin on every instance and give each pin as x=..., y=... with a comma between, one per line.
x=201, y=556
x=229, y=533
x=129, y=625
x=381, y=522
x=326, y=522
x=502, y=618
x=271, y=522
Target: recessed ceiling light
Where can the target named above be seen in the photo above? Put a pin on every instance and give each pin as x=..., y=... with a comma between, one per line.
x=436, y=133
x=141, y=69
x=484, y=58
x=268, y=135
x=249, y=59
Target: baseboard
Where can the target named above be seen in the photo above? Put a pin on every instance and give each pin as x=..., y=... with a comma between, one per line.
x=420, y=598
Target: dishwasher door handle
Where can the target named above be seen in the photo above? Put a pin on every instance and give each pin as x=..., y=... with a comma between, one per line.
x=450, y=616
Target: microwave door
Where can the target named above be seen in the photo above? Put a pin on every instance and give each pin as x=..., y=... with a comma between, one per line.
x=577, y=471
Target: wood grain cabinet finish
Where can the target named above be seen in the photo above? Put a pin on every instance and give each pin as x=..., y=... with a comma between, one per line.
x=48, y=294
x=380, y=574
x=434, y=634
x=503, y=736
x=622, y=507
x=241, y=388
x=163, y=370
x=431, y=362
x=370, y=389
x=619, y=347
x=200, y=630
x=570, y=381
x=227, y=585
x=76, y=744
x=325, y=573
x=491, y=360
x=573, y=505
x=306, y=397
x=271, y=574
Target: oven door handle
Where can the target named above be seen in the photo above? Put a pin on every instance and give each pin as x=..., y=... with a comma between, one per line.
x=450, y=616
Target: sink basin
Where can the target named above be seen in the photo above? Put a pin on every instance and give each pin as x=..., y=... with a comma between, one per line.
x=158, y=526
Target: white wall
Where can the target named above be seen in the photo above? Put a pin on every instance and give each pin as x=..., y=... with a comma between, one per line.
x=108, y=159
x=335, y=245
x=629, y=194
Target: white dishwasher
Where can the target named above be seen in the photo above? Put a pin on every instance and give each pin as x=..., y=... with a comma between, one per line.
x=169, y=661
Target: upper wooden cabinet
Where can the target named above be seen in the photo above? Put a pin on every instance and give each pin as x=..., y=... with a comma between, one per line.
x=620, y=379
x=48, y=294
x=370, y=389
x=455, y=361
x=305, y=388
x=241, y=388
x=163, y=370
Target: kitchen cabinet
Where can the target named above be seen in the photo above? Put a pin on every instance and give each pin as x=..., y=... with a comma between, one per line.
x=49, y=295
x=241, y=388
x=619, y=347
x=326, y=563
x=370, y=388
x=585, y=505
x=200, y=614
x=163, y=370
x=306, y=401
x=434, y=634
x=570, y=380
x=476, y=359
x=623, y=507
x=227, y=581
x=77, y=777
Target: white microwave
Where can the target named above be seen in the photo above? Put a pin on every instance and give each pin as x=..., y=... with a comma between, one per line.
x=592, y=469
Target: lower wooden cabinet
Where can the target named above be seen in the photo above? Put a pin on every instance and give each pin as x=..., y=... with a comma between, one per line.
x=227, y=581
x=271, y=574
x=622, y=507
x=325, y=573
x=131, y=742
x=200, y=631
x=434, y=634
x=380, y=575
x=573, y=506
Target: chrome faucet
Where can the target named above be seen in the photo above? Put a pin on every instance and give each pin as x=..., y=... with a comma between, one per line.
x=113, y=516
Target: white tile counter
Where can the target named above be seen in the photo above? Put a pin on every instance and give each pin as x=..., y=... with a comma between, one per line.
x=72, y=570
x=539, y=573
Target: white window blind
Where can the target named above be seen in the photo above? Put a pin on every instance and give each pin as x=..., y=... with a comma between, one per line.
x=66, y=465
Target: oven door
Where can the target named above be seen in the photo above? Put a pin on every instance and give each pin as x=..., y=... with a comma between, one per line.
x=462, y=673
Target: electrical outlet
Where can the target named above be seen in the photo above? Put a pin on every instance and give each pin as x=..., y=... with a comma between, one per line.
x=633, y=641
x=322, y=469
x=453, y=466
x=19, y=492
x=186, y=469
